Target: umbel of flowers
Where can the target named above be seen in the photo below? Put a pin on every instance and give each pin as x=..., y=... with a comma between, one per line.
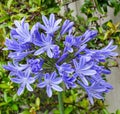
x=49, y=54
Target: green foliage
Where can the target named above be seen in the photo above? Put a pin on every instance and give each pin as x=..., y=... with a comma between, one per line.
x=101, y=6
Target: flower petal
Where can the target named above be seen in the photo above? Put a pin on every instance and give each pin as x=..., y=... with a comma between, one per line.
x=56, y=87
x=49, y=53
x=29, y=88
x=82, y=62
x=57, y=80
x=89, y=72
x=49, y=91
x=31, y=80
x=57, y=22
x=42, y=27
x=52, y=20
x=21, y=89
x=45, y=20
x=16, y=80
x=85, y=81
x=42, y=85
x=75, y=63
x=40, y=51
x=27, y=73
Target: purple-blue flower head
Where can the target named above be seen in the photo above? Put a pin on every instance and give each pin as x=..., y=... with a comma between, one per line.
x=88, y=35
x=24, y=79
x=13, y=45
x=39, y=54
x=51, y=81
x=33, y=66
x=95, y=55
x=101, y=69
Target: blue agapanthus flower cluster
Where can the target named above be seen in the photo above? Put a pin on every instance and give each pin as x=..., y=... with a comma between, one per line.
x=49, y=54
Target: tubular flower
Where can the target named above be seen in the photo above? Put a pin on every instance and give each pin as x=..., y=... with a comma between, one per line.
x=24, y=79
x=51, y=82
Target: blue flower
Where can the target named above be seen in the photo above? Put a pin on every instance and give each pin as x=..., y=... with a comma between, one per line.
x=64, y=68
x=69, y=81
x=108, y=50
x=35, y=64
x=24, y=79
x=63, y=57
x=51, y=82
x=21, y=32
x=101, y=70
x=101, y=55
x=14, y=68
x=66, y=27
x=20, y=50
x=13, y=45
x=51, y=25
x=98, y=79
x=46, y=46
x=56, y=52
x=81, y=49
x=69, y=41
x=95, y=90
x=17, y=56
x=83, y=69
x=87, y=36
x=95, y=55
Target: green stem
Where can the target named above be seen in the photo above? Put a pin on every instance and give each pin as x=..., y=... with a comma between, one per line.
x=61, y=107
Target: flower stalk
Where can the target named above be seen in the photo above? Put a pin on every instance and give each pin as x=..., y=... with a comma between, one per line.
x=61, y=105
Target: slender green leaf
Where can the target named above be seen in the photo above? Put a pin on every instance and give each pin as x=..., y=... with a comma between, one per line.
x=5, y=97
